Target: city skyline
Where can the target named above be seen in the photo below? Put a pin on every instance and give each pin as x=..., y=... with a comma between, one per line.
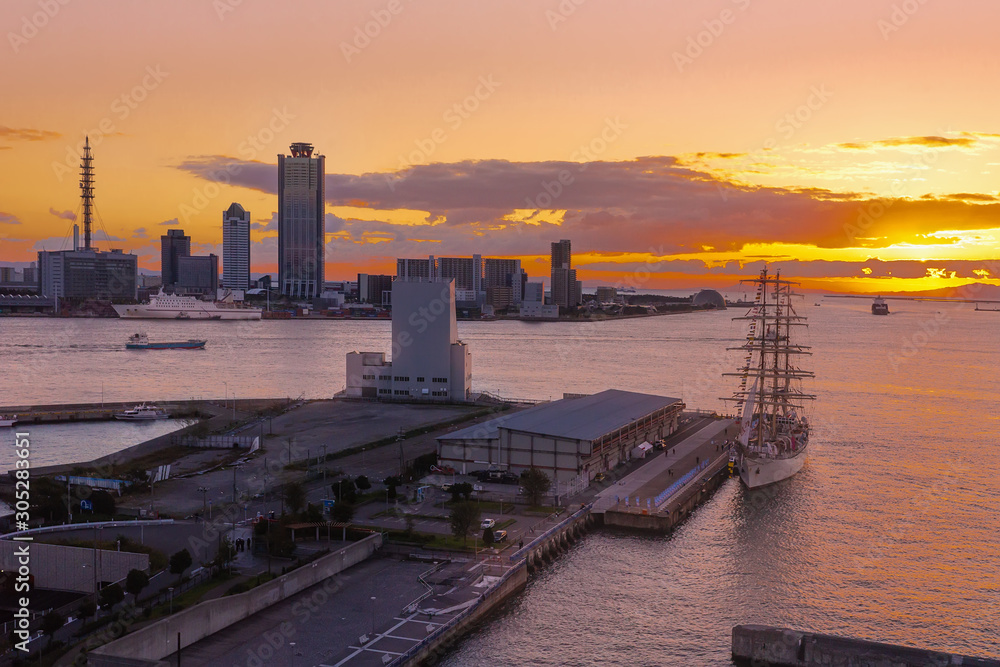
x=684, y=149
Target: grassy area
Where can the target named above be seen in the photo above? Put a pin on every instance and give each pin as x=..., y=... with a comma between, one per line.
x=192, y=596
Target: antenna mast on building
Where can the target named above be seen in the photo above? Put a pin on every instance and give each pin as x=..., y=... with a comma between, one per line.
x=87, y=191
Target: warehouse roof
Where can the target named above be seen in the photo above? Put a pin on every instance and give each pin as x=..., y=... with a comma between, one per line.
x=584, y=418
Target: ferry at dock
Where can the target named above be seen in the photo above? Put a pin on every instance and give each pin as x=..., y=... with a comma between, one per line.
x=164, y=306
x=143, y=412
x=8, y=420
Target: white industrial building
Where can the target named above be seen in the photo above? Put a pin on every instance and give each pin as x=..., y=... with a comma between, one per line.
x=571, y=440
x=428, y=361
x=534, y=305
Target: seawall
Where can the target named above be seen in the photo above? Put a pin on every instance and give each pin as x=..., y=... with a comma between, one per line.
x=764, y=645
x=153, y=643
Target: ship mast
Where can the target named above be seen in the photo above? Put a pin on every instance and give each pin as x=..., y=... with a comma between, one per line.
x=769, y=336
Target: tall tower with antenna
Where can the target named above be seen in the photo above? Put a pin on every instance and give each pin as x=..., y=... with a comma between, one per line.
x=87, y=191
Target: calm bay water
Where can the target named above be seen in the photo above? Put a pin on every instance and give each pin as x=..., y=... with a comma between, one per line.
x=888, y=533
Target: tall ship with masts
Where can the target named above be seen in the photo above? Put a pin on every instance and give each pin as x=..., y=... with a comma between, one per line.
x=774, y=432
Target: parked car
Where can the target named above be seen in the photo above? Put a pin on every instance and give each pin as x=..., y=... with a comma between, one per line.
x=488, y=523
x=446, y=487
x=599, y=477
x=509, y=478
x=499, y=535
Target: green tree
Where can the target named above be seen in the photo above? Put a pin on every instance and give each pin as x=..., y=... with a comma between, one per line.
x=295, y=497
x=51, y=623
x=488, y=538
x=362, y=483
x=462, y=489
x=343, y=512
x=180, y=561
x=104, y=503
x=87, y=609
x=344, y=489
x=464, y=516
x=536, y=484
x=135, y=581
x=111, y=595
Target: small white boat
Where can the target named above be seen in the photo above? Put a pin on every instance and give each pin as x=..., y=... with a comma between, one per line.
x=143, y=412
x=8, y=421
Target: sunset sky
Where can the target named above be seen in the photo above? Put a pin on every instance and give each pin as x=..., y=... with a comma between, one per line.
x=677, y=144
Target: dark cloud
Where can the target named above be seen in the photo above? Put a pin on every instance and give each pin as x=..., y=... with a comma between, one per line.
x=65, y=215
x=172, y=222
x=264, y=225
x=140, y=233
x=8, y=219
x=649, y=204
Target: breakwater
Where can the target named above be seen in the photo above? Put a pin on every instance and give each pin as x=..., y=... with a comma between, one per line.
x=768, y=646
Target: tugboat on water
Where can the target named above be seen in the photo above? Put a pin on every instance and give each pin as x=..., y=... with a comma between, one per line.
x=879, y=306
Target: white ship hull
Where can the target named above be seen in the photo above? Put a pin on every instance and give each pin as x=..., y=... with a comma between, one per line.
x=207, y=311
x=7, y=422
x=758, y=472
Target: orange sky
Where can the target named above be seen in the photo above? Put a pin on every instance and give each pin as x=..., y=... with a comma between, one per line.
x=695, y=137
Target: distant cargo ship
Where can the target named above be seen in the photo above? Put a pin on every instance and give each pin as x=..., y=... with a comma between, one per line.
x=163, y=306
x=880, y=307
x=140, y=341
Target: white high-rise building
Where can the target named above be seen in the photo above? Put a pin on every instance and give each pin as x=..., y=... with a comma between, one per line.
x=429, y=362
x=534, y=307
x=236, y=248
x=301, y=222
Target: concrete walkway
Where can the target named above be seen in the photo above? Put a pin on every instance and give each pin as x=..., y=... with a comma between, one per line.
x=665, y=469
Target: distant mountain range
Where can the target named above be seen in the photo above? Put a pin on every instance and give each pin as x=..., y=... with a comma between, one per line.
x=975, y=290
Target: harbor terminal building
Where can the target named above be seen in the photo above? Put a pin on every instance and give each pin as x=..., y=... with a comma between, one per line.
x=571, y=440
x=428, y=361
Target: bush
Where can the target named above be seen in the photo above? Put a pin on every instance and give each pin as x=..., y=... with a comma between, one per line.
x=362, y=483
x=180, y=561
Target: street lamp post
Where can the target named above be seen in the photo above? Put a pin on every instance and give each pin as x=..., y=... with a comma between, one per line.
x=373, y=617
x=171, y=591
x=225, y=402
x=204, y=502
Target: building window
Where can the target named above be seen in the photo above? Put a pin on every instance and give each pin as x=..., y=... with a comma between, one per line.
x=401, y=392
x=420, y=379
x=385, y=377
x=440, y=380
x=385, y=391
x=367, y=377
x=401, y=378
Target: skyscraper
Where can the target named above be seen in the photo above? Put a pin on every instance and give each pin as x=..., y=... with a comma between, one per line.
x=173, y=245
x=301, y=224
x=565, y=290
x=236, y=248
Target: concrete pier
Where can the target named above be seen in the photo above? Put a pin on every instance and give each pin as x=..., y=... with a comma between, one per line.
x=781, y=647
x=671, y=485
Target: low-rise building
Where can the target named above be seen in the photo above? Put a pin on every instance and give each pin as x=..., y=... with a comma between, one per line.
x=571, y=440
x=428, y=362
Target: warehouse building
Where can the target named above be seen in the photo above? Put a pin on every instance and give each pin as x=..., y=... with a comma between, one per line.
x=571, y=440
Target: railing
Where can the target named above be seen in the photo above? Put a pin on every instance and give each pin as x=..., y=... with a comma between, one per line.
x=456, y=619
x=676, y=486
x=520, y=553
